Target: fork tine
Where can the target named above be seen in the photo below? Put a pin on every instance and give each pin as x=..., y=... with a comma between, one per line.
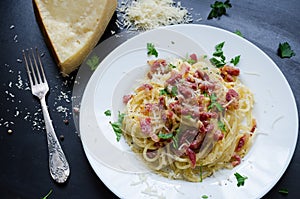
x=32, y=69
x=27, y=67
x=41, y=65
x=36, y=66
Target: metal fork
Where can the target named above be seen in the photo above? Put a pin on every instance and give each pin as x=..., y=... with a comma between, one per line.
x=58, y=164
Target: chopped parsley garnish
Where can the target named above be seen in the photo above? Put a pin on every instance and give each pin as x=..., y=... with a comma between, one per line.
x=235, y=60
x=240, y=179
x=117, y=126
x=174, y=91
x=93, y=62
x=283, y=191
x=165, y=136
x=191, y=61
x=221, y=126
x=218, y=9
x=237, y=32
x=48, y=194
x=201, y=174
x=204, y=196
x=107, y=113
x=285, y=51
x=151, y=50
x=215, y=103
x=163, y=91
x=172, y=66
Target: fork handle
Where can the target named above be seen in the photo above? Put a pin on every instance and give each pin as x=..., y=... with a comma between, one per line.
x=58, y=164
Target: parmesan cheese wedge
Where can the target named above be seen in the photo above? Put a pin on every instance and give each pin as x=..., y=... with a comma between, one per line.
x=73, y=28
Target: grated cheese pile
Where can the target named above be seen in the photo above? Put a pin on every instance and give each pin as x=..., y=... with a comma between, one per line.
x=149, y=14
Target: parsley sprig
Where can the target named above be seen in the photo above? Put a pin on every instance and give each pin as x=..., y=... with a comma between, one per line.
x=218, y=9
x=93, y=62
x=240, y=179
x=219, y=59
x=117, y=126
x=285, y=51
x=151, y=50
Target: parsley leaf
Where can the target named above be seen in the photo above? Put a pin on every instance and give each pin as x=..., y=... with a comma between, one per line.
x=237, y=32
x=218, y=63
x=172, y=66
x=235, y=60
x=163, y=91
x=151, y=50
x=107, y=113
x=48, y=194
x=283, y=191
x=285, y=51
x=214, y=103
x=174, y=91
x=221, y=126
x=93, y=62
x=165, y=136
x=240, y=179
x=218, y=9
x=219, y=59
x=204, y=196
x=201, y=175
x=117, y=126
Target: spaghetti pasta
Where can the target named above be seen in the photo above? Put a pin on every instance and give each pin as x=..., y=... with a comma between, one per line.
x=189, y=119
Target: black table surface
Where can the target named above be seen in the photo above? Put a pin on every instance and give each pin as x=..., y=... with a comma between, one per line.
x=23, y=152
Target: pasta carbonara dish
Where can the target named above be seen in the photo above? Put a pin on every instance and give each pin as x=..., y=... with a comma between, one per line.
x=188, y=118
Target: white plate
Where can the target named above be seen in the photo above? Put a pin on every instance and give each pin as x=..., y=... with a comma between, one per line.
x=114, y=163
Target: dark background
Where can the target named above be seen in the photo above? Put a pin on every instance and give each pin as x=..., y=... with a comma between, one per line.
x=23, y=153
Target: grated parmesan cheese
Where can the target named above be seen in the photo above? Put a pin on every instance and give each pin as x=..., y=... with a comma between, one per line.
x=149, y=14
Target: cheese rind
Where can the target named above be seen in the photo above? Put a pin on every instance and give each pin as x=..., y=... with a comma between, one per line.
x=73, y=29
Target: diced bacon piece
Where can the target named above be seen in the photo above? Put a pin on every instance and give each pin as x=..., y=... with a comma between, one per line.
x=233, y=97
x=231, y=94
x=151, y=153
x=184, y=69
x=154, y=137
x=218, y=135
x=228, y=73
x=185, y=91
x=254, y=125
x=207, y=86
x=174, y=78
x=197, y=141
x=146, y=87
x=145, y=124
x=192, y=156
x=155, y=65
x=236, y=160
x=199, y=74
x=126, y=98
x=207, y=115
x=241, y=143
x=194, y=57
